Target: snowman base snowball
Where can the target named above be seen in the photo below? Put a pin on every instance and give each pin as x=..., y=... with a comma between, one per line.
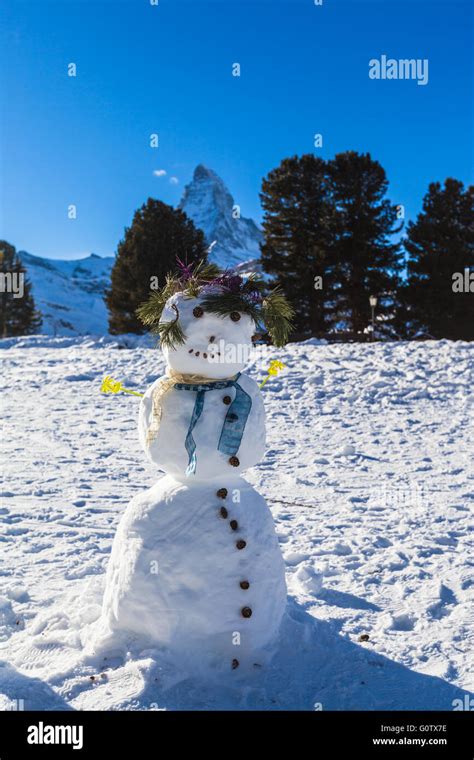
x=196, y=575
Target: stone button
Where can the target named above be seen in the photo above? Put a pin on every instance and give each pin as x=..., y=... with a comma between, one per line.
x=246, y=612
x=222, y=493
x=227, y=400
x=232, y=417
x=223, y=512
x=235, y=664
x=241, y=544
x=234, y=524
x=234, y=461
x=244, y=585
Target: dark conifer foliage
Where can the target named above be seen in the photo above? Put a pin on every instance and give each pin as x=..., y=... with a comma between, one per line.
x=158, y=234
x=331, y=219
x=365, y=260
x=297, y=228
x=440, y=245
x=18, y=314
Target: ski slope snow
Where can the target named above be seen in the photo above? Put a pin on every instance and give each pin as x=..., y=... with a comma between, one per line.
x=368, y=473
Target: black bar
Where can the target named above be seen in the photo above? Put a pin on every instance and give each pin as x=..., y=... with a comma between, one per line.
x=133, y=734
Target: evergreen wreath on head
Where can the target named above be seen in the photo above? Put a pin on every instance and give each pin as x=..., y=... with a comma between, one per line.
x=223, y=292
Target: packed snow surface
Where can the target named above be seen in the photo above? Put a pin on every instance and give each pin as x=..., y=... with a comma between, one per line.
x=368, y=474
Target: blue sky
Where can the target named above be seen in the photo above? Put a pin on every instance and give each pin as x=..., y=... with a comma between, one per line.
x=143, y=69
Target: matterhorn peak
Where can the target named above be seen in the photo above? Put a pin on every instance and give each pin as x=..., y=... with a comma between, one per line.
x=233, y=239
x=201, y=172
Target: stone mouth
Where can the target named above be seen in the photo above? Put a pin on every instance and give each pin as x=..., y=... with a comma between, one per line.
x=200, y=354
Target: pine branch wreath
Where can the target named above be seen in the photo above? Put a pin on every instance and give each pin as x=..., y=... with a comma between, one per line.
x=277, y=316
x=225, y=292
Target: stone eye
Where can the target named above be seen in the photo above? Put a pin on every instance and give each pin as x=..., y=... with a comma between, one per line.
x=235, y=316
x=198, y=311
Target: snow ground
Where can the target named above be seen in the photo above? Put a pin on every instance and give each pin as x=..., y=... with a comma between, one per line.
x=369, y=476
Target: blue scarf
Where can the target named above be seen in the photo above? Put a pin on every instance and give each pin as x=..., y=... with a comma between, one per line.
x=234, y=423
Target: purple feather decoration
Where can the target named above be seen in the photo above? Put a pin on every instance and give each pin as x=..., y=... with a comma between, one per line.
x=229, y=281
x=186, y=270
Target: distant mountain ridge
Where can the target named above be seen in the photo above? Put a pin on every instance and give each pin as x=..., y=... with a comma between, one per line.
x=70, y=294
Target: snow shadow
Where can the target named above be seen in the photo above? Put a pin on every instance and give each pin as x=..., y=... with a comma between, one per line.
x=314, y=669
x=26, y=693
x=346, y=600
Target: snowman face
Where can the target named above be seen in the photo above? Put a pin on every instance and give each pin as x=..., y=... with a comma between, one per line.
x=215, y=347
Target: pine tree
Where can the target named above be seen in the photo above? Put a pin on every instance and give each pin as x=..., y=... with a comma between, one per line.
x=146, y=254
x=365, y=261
x=440, y=246
x=297, y=229
x=18, y=314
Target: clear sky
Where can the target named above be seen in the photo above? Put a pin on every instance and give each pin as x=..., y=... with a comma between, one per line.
x=167, y=69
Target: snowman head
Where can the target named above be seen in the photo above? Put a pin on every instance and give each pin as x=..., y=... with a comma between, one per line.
x=206, y=318
x=212, y=345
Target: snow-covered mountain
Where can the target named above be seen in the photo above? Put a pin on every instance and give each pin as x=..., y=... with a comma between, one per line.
x=70, y=294
x=208, y=202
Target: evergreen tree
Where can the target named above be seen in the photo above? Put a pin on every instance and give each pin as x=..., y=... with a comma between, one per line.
x=146, y=254
x=18, y=315
x=297, y=228
x=366, y=262
x=440, y=245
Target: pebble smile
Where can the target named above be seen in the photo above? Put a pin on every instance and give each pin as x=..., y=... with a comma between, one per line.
x=204, y=355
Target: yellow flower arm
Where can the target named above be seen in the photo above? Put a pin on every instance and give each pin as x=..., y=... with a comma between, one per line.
x=109, y=385
x=274, y=368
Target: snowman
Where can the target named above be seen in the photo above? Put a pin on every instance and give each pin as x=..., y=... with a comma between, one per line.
x=196, y=569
